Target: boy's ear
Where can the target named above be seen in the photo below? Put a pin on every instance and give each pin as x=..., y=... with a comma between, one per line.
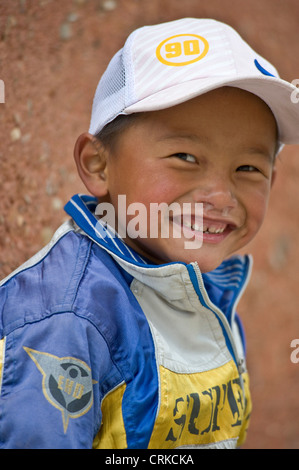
x=90, y=157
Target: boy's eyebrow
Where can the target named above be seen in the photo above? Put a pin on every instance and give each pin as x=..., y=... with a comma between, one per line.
x=258, y=149
x=263, y=151
x=187, y=136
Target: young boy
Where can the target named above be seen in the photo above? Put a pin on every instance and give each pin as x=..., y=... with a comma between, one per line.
x=134, y=341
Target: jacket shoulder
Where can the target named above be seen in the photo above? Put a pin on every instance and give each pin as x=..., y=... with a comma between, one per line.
x=47, y=282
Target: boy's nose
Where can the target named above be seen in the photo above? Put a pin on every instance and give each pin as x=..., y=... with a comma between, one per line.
x=217, y=198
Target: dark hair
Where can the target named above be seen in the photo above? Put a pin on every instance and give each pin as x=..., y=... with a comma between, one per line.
x=109, y=134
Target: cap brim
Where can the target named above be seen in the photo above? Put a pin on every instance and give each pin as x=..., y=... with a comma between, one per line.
x=279, y=95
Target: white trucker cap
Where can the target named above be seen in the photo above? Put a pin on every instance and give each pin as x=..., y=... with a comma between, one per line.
x=166, y=64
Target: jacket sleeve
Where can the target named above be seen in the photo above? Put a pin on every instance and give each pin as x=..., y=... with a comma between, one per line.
x=54, y=375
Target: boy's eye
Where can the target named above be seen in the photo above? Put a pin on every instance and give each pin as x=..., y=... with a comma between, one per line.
x=186, y=157
x=249, y=168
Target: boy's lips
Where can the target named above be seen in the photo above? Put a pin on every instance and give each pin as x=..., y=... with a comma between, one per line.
x=211, y=230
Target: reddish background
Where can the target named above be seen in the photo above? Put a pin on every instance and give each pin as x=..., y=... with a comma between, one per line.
x=52, y=54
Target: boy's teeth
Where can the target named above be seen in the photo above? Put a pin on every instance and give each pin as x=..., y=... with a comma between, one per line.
x=215, y=230
x=207, y=229
x=204, y=228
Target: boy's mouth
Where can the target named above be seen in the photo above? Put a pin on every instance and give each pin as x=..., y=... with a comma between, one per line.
x=210, y=230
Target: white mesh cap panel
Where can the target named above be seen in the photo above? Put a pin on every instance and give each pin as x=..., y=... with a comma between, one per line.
x=109, y=98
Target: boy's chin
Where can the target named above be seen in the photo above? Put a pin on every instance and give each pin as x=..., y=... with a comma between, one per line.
x=205, y=261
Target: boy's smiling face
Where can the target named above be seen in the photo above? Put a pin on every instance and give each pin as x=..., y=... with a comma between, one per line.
x=217, y=149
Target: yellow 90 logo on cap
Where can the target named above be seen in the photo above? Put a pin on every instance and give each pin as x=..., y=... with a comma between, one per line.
x=182, y=49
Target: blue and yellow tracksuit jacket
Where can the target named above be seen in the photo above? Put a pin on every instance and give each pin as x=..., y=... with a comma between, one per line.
x=101, y=349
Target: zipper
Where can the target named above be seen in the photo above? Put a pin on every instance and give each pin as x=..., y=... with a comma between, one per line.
x=240, y=363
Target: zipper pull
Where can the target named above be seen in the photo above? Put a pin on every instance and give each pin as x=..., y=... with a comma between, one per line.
x=241, y=365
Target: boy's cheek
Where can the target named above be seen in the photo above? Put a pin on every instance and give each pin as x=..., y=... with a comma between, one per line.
x=256, y=215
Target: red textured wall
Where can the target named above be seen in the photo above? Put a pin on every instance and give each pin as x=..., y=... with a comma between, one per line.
x=52, y=54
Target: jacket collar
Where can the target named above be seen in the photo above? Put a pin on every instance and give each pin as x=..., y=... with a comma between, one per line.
x=82, y=210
